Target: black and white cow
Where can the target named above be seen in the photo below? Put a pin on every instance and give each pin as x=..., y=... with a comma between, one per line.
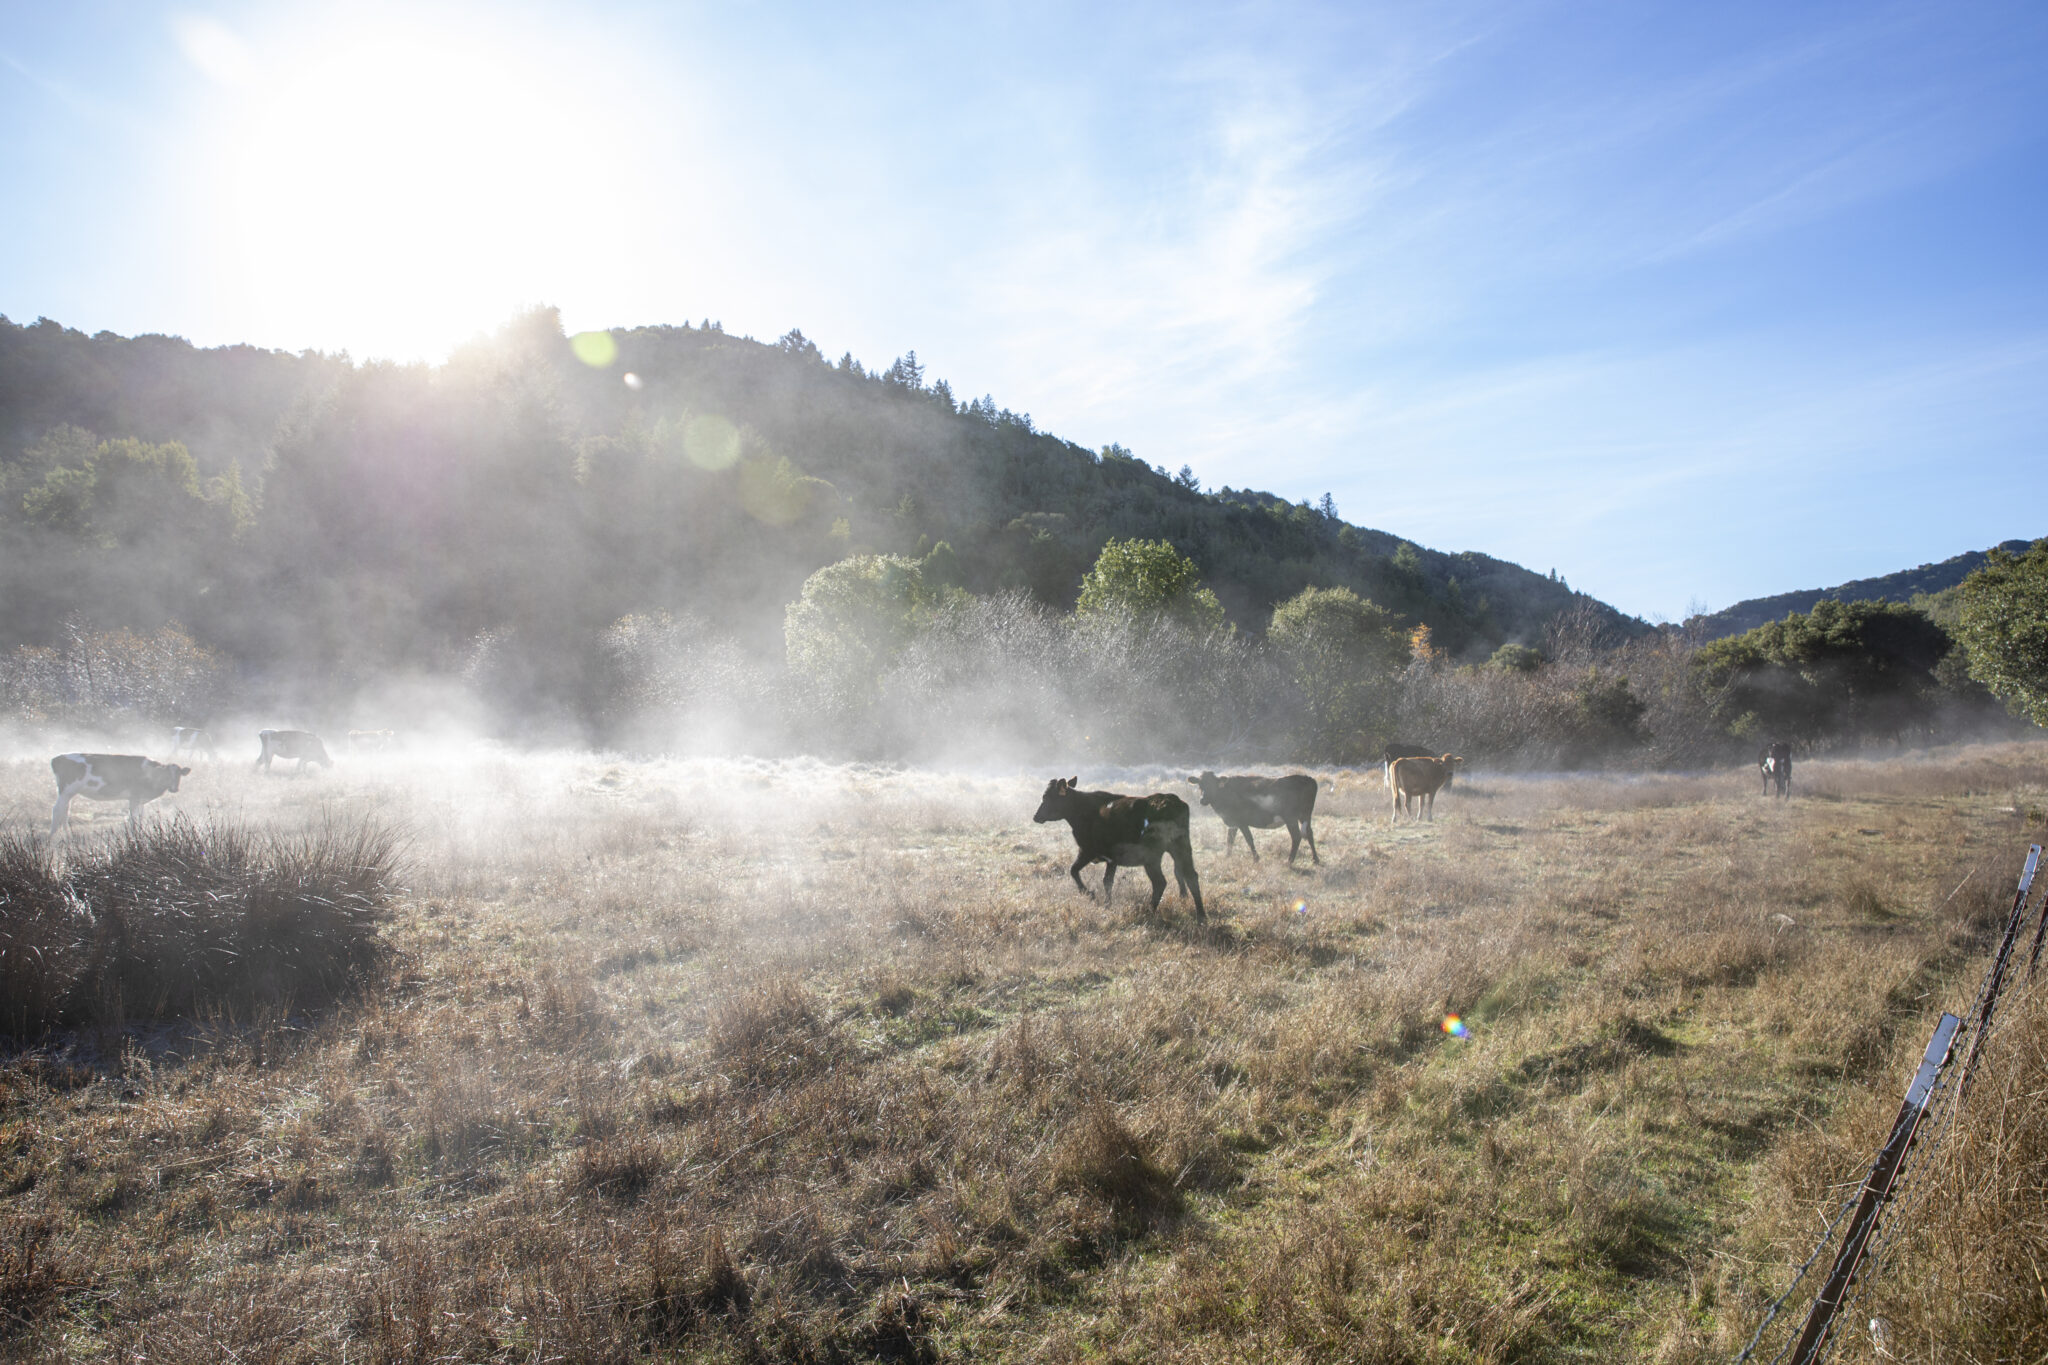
x=110, y=777
x=303, y=745
x=1775, y=763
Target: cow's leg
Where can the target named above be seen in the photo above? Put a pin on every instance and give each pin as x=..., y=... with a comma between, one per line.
x=1183, y=852
x=1249, y=844
x=1230, y=840
x=1294, y=833
x=61, y=812
x=1158, y=876
x=1429, y=806
x=1108, y=881
x=1308, y=827
x=1075, y=873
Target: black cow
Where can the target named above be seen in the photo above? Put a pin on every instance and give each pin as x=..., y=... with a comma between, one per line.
x=1394, y=751
x=1248, y=803
x=303, y=745
x=1125, y=831
x=110, y=777
x=1775, y=763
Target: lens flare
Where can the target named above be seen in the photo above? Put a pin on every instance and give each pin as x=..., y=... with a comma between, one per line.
x=633, y=381
x=595, y=349
x=1455, y=1026
x=1301, y=907
x=711, y=442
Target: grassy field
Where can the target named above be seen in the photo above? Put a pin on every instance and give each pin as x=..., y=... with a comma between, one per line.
x=775, y=1061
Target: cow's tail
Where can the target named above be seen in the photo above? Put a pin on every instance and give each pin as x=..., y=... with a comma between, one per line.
x=1183, y=850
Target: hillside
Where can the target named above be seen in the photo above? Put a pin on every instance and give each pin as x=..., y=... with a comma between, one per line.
x=321, y=521
x=1903, y=586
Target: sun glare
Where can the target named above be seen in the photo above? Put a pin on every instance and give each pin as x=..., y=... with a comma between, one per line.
x=407, y=186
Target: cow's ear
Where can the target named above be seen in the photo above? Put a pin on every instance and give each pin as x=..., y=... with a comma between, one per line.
x=1074, y=781
x=184, y=772
x=1194, y=782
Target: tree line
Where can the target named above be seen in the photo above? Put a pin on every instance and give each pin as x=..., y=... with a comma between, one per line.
x=681, y=524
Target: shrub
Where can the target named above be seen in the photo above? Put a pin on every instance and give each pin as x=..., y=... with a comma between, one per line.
x=1347, y=656
x=97, y=677
x=1005, y=676
x=1146, y=578
x=176, y=920
x=851, y=621
x=2004, y=628
x=675, y=682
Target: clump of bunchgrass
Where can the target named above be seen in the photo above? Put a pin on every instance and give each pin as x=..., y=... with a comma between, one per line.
x=177, y=920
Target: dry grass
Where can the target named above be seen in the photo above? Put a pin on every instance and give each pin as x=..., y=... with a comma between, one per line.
x=788, y=1061
x=172, y=920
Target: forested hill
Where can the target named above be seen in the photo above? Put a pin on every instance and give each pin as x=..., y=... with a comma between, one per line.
x=1903, y=586
x=304, y=514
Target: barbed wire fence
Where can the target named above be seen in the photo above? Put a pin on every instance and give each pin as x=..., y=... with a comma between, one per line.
x=1867, y=1223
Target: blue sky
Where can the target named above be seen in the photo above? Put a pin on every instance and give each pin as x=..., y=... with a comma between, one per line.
x=1692, y=303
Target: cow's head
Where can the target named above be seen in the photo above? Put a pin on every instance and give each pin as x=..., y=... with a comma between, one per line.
x=1207, y=782
x=167, y=775
x=1058, y=799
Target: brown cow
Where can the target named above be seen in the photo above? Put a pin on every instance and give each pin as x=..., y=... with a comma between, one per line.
x=1418, y=780
x=1125, y=831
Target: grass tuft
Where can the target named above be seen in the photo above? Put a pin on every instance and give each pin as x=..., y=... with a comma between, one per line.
x=176, y=920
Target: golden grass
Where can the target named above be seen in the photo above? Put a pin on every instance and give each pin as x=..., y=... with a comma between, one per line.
x=791, y=1061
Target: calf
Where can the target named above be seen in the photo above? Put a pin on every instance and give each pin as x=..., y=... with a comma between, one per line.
x=1393, y=753
x=303, y=745
x=373, y=741
x=1125, y=831
x=1248, y=803
x=110, y=777
x=1776, y=766
x=190, y=739
x=1418, y=780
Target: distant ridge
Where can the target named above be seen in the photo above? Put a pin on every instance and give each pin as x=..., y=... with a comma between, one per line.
x=1902, y=586
x=818, y=460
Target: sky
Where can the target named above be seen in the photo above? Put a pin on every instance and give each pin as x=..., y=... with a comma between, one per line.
x=1691, y=303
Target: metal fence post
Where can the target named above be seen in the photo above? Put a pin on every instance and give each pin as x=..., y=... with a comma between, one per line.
x=1877, y=1186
